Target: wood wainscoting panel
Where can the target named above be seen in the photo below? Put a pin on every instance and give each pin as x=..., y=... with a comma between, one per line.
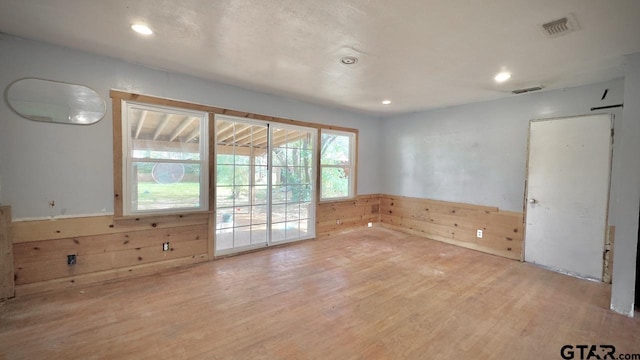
x=105, y=248
x=336, y=216
x=107, y=275
x=108, y=248
x=6, y=254
x=27, y=231
x=456, y=223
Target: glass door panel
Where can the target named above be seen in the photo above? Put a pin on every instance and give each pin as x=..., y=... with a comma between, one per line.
x=241, y=185
x=292, y=159
x=265, y=184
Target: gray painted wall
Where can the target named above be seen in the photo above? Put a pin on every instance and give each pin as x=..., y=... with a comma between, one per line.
x=625, y=204
x=72, y=165
x=477, y=153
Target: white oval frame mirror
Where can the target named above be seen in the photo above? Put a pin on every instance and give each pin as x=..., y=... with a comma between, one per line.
x=55, y=101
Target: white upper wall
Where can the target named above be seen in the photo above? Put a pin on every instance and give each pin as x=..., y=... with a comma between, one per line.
x=625, y=203
x=477, y=153
x=73, y=165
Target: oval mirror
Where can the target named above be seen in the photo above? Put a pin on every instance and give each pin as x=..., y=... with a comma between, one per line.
x=54, y=101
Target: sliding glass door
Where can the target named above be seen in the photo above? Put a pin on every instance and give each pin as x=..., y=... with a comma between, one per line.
x=292, y=190
x=265, y=184
x=241, y=185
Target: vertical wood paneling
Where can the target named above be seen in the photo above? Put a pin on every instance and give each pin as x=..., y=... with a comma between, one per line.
x=118, y=193
x=6, y=254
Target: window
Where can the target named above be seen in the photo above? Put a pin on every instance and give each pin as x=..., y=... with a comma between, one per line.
x=165, y=162
x=337, y=164
x=173, y=157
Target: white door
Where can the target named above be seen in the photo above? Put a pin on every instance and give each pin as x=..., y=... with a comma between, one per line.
x=567, y=193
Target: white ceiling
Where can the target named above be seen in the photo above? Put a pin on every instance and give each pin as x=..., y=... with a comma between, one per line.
x=419, y=54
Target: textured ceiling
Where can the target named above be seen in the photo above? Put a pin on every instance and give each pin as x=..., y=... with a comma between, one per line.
x=419, y=54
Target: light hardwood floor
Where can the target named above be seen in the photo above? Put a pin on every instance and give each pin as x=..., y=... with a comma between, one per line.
x=366, y=294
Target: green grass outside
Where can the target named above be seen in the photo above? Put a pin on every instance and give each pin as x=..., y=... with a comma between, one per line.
x=153, y=196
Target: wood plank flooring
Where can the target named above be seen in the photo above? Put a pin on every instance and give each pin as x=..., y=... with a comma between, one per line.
x=365, y=294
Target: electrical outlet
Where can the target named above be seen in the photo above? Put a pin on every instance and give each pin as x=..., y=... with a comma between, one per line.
x=71, y=259
x=165, y=246
x=479, y=234
x=370, y=225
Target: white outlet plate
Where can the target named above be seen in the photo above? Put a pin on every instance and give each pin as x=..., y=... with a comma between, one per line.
x=370, y=225
x=479, y=234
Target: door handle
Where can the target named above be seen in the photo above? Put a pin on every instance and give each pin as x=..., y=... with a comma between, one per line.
x=533, y=201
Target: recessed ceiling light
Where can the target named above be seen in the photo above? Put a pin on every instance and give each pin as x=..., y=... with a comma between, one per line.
x=386, y=102
x=141, y=29
x=349, y=60
x=502, y=76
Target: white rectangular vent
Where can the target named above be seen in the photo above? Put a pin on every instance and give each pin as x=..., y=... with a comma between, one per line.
x=560, y=27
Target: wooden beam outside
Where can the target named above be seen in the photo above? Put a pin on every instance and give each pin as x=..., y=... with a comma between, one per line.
x=193, y=135
x=161, y=126
x=227, y=134
x=123, y=95
x=252, y=135
x=143, y=117
x=231, y=150
x=185, y=124
x=223, y=131
x=166, y=146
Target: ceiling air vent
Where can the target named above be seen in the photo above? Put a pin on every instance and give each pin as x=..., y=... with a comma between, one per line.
x=560, y=27
x=522, y=91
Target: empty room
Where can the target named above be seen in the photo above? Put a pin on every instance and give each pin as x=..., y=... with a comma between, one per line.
x=234, y=179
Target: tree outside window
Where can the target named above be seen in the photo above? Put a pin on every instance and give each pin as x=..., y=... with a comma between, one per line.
x=337, y=164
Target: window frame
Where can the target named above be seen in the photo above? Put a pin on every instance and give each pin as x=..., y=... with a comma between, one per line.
x=353, y=168
x=120, y=96
x=128, y=159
